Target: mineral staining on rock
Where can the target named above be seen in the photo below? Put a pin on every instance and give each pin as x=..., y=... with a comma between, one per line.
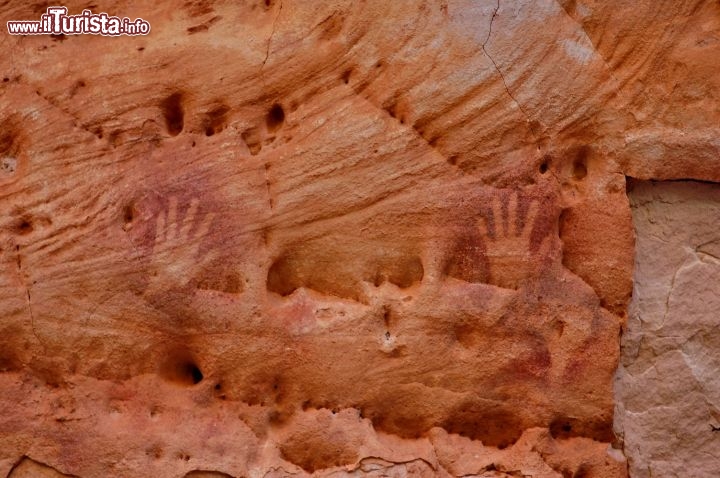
x=279, y=237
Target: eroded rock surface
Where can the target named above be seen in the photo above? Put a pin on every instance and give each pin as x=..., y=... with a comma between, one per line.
x=668, y=387
x=373, y=238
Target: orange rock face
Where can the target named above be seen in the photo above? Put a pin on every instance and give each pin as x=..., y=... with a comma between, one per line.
x=382, y=238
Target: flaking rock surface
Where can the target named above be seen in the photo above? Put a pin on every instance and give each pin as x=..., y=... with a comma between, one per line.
x=347, y=238
x=668, y=392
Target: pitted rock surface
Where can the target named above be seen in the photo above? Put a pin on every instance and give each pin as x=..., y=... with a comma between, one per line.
x=340, y=238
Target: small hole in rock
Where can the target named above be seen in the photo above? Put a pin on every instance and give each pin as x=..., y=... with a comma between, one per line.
x=215, y=120
x=544, y=167
x=174, y=115
x=579, y=170
x=195, y=373
x=8, y=164
x=140, y=48
x=561, y=427
x=128, y=214
x=180, y=368
x=275, y=117
x=583, y=471
x=24, y=227
x=378, y=280
x=6, y=79
x=346, y=76
x=114, y=137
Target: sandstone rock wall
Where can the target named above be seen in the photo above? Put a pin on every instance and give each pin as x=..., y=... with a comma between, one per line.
x=280, y=237
x=668, y=392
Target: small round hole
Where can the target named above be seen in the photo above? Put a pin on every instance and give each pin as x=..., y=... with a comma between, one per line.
x=545, y=164
x=275, y=117
x=579, y=170
x=194, y=373
x=24, y=227
x=128, y=214
x=180, y=368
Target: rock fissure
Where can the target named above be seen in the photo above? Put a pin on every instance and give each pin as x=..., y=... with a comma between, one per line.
x=23, y=280
x=270, y=39
x=502, y=76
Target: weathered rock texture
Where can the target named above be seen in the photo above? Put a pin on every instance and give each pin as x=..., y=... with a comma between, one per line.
x=668, y=390
x=384, y=238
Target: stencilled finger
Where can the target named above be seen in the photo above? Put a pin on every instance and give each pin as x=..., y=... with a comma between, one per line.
x=433, y=258
x=530, y=217
x=160, y=228
x=498, y=217
x=483, y=228
x=172, y=219
x=209, y=258
x=368, y=293
x=205, y=226
x=512, y=226
x=189, y=218
x=545, y=247
x=5, y=247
